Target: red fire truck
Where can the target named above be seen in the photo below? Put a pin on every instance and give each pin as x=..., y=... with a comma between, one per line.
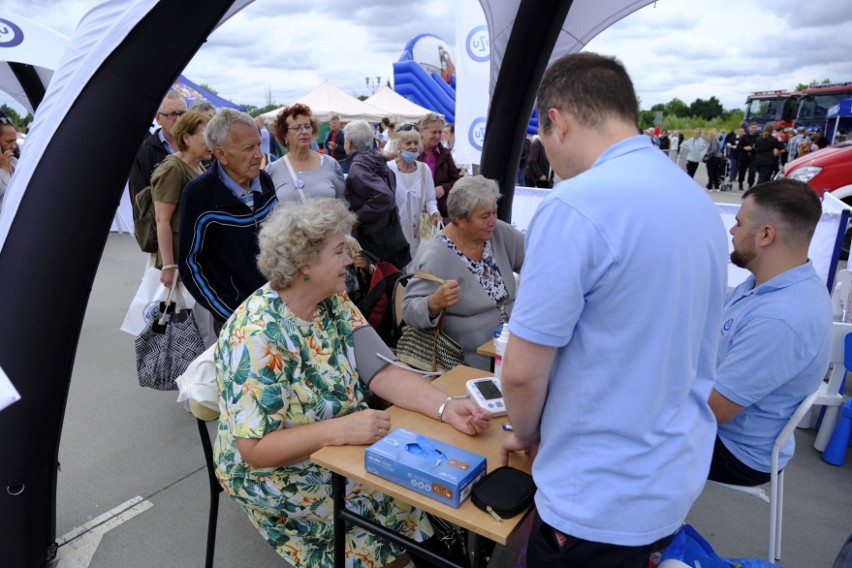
x=776, y=107
x=814, y=103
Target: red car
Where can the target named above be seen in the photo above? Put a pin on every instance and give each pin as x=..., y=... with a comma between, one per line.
x=829, y=169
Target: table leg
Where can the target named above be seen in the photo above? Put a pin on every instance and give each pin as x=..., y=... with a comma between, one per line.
x=338, y=493
x=481, y=550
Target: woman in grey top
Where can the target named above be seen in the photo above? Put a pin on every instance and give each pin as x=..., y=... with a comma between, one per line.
x=476, y=254
x=316, y=175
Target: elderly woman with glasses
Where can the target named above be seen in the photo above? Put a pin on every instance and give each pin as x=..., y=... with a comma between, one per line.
x=295, y=365
x=445, y=173
x=415, y=190
x=371, y=193
x=476, y=255
x=303, y=173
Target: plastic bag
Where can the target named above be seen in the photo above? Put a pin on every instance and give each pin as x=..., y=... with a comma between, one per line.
x=147, y=299
x=198, y=386
x=688, y=548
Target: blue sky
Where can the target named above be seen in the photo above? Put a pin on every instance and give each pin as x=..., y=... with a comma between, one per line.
x=280, y=49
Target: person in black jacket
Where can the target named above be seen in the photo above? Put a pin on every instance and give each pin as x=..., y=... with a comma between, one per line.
x=334, y=143
x=371, y=193
x=220, y=215
x=766, y=149
x=157, y=145
x=538, y=166
x=746, y=152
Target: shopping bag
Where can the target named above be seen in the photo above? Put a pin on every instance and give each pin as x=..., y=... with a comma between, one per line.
x=168, y=344
x=690, y=548
x=144, y=305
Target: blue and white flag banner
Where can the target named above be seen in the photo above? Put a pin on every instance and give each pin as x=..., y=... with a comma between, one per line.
x=473, y=71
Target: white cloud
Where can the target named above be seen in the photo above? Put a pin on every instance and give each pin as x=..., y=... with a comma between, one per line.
x=675, y=48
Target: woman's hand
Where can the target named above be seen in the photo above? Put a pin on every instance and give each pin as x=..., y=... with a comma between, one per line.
x=363, y=427
x=444, y=297
x=167, y=276
x=465, y=416
x=439, y=191
x=436, y=217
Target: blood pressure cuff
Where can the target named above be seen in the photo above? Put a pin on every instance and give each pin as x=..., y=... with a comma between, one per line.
x=506, y=491
x=367, y=345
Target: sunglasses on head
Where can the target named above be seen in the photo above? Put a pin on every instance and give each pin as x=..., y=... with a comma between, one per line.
x=407, y=127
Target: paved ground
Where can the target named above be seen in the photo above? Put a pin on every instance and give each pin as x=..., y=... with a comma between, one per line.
x=121, y=442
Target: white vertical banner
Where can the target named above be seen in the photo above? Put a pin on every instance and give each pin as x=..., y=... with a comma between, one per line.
x=473, y=72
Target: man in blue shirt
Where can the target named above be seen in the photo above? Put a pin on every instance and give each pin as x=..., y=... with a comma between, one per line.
x=776, y=331
x=615, y=329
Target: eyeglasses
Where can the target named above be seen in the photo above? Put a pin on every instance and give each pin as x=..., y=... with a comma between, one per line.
x=5, y=119
x=407, y=127
x=301, y=127
x=172, y=115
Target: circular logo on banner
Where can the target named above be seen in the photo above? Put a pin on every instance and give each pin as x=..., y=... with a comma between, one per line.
x=10, y=34
x=476, y=134
x=478, y=45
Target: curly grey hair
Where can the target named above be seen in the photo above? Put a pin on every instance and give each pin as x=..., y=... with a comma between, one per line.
x=359, y=134
x=293, y=236
x=469, y=193
x=219, y=126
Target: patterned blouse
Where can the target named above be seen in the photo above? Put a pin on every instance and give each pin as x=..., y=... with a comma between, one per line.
x=277, y=372
x=487, y=271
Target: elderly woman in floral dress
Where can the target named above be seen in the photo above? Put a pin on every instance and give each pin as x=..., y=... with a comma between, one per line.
x=295, y=365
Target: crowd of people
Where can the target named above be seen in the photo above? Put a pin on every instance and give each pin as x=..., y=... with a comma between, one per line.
x=626, y=420
x=742, y=156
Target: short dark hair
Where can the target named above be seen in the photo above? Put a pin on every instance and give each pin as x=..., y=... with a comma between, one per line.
x=591, y=87
x=794, y=202
x=295, y=110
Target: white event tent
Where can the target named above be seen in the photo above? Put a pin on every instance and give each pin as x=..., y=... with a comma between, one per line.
x=396, y=106
x=327, y=100
x=31, y=51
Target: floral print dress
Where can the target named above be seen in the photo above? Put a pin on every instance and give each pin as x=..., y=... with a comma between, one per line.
x=274, y=372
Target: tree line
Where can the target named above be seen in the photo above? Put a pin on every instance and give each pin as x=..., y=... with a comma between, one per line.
x=701, y=113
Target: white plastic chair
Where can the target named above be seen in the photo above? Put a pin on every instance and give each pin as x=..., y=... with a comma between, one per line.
x=776, y=480
x=829, y=394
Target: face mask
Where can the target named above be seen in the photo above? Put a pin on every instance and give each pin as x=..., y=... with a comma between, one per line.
x=409, y=157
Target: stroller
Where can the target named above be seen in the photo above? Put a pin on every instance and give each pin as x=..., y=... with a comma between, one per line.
x=725, y=183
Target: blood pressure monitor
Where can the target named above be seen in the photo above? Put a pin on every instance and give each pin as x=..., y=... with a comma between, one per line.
x=487, y=393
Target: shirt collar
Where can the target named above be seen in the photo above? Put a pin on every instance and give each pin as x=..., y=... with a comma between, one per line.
x=232, y=185
x=786, y=278
x=783, y=280
x=165, y=142
x=626, y=146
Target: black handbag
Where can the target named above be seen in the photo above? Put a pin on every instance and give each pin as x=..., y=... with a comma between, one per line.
x=168, y=344
x=506, y=491
x=449, y=541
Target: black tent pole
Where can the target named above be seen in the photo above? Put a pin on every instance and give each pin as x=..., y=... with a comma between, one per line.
x=530, y=45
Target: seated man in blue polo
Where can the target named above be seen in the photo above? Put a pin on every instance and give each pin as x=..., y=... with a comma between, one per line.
x=776, y=331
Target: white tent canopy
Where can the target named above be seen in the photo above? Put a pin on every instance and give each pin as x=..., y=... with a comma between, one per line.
x=27, y=43
x=327, y=100
x=396, y=106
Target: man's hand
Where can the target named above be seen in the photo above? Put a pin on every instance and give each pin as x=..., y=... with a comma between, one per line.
x=514, y=444
x=6, y=160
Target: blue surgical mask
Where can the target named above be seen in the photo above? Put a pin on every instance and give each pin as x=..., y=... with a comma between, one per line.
x=409, y=157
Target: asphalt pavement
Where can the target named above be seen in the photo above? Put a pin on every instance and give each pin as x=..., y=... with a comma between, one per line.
x=133, y=491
